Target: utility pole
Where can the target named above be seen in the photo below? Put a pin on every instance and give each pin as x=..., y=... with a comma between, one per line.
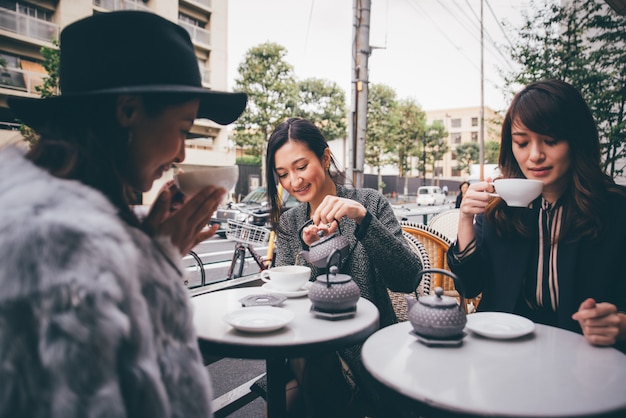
x=482, y=97
x=360, y=83
x=424, y=161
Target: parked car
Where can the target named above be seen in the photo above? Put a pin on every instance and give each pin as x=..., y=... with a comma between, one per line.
x=254, y=209
x=430, y=196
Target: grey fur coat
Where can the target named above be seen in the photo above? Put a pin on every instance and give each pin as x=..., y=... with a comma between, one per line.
x=94, y=322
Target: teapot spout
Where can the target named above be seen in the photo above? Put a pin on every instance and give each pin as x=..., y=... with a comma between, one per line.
x=305, y=254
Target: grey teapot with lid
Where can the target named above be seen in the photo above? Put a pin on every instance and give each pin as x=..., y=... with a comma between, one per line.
x=334, y=292
x=438, y=316
x=320, y=251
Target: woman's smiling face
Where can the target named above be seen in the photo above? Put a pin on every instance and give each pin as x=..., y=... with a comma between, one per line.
x=300, y=171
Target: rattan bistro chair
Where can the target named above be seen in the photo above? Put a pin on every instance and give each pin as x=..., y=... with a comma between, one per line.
x=398, y=298
x=437, y=245
x=446, y=223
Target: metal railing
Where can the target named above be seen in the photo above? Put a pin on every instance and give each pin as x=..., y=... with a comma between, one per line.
x=197, y=34
x=121, y=5
x=205, y=3
x=21, y=80
x=28, y=26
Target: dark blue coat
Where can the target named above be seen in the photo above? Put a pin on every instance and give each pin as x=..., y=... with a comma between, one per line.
x=586, y=268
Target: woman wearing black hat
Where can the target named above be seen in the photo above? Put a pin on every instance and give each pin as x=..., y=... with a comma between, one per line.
x=94, y=316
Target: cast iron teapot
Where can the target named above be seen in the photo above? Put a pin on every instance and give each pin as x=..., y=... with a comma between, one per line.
x=437, y=316
x=333, y=292
x=320, y=251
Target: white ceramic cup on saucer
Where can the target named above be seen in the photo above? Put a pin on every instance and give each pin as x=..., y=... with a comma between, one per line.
x=518, y=192
x=191, y=182
x=287, y=278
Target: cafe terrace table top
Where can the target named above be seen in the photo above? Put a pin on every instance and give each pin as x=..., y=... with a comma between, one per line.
x=304, y=334
x=550, y=373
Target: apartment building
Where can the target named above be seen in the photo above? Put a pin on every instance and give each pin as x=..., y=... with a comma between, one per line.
x=27, y=26
x=463, y=126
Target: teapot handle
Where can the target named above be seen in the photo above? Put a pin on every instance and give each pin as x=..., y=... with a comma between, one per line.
x=329, y=266
x=309, y=222
x=457, y=282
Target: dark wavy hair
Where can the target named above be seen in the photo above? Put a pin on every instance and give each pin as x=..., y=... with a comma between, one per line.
x=92, y=147
x=298, y=130
x=556, y=109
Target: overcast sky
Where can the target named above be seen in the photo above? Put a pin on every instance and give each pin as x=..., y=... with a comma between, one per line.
x=429, y=49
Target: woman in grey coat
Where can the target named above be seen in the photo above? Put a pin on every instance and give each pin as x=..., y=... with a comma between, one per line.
x=95, y=320
x=298, y=157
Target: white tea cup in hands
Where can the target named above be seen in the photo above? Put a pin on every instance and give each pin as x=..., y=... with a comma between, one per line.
x=191, y=182
x=518, y=192
x=287, y=278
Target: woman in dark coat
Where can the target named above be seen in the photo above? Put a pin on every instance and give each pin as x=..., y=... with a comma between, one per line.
x=560, y=261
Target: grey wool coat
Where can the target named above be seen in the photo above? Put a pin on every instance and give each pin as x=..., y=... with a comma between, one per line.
x=380, y=259
x=94, y=318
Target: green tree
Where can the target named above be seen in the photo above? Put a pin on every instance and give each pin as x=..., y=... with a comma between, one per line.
x=466, y=155
x=581, y=43
x=382, y=127
x=50, y=86
x=436, y=145
x=272, y=92
x=492, y=152
x=411, y=127
x=324, y=103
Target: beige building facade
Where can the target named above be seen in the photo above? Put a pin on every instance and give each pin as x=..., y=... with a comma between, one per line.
x=27, y=26
x=463, y=126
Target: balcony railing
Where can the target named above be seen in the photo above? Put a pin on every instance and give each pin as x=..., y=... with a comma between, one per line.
x=197, y=34
x=205, y=3
x=28, y=26
x=121, y=5
x=206, y=76
x=21, y=80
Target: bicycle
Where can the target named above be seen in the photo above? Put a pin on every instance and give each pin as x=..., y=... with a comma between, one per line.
x=246, y=236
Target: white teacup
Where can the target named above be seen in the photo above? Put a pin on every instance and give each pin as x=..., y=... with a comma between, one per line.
x=191, y=182
x=518, y=192
x=287, y=278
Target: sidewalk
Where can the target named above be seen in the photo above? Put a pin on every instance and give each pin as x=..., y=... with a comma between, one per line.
x=228, y=373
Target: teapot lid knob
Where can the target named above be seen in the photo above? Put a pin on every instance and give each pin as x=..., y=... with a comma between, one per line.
x=438, y=292
x=334, y=269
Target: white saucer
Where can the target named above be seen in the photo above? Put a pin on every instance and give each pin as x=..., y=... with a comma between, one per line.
x=499, y=325
x=259, y=318
x=288, y=293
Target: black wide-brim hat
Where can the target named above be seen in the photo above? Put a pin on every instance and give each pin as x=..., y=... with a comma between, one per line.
x=128, y=52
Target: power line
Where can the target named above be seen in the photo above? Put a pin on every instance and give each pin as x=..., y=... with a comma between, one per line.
x=415, y=4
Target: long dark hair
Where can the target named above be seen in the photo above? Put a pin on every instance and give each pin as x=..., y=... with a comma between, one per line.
x=90, y=146
x=299, y=130
x=556, y=109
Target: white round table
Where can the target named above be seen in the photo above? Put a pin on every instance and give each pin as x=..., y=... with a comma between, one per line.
x=305, y=334
x=551, y=373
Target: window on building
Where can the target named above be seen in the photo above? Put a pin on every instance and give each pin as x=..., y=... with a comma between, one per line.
x=190, y=20
x=438, y=171
x=474, y=121
x=27, y=10
x=456, y=138
x=474, y=136
x=453, y=155
x=455, y=173
x=455, y=123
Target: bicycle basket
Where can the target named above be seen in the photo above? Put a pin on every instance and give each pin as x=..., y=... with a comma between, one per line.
x=248, y=233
